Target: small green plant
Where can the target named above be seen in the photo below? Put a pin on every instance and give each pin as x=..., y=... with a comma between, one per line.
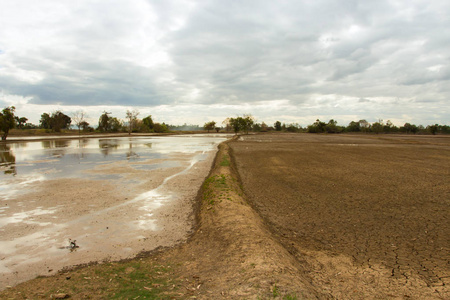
x=225, y=161
x=290, y=297
x=275, y=291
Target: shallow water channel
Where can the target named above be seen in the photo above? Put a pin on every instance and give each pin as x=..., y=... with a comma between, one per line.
x=68, y=202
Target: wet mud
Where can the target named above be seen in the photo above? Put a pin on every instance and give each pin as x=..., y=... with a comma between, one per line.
x=70, y=202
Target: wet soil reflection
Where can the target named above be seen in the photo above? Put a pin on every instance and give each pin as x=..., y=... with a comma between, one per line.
x=96, y=191
x=7, y=160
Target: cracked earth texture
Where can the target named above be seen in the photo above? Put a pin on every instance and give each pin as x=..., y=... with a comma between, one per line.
x=366, y=215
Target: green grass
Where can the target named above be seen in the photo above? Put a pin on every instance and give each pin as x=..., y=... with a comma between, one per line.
x=225, y=161
x=133, y=280
x=214, y=188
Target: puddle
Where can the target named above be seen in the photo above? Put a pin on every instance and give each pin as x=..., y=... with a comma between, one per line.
x=116, y=197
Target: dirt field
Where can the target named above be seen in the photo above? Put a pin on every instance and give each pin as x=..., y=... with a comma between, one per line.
x=366, y=215
x=297, y=216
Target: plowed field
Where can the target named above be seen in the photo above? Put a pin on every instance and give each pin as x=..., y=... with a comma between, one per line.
x=367, y=215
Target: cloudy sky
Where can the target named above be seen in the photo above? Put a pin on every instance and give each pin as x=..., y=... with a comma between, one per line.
x=196, y=61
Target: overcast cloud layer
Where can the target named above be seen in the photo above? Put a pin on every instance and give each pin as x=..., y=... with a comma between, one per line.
x=195, y=61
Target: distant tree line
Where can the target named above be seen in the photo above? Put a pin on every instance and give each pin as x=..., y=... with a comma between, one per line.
x=376, y=127
x=58, y=121
x=108, y=123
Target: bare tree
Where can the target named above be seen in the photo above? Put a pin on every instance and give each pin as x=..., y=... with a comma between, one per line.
x=132, y=119
x=79, y=118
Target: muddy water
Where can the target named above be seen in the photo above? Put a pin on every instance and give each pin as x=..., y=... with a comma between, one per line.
x=114, y=197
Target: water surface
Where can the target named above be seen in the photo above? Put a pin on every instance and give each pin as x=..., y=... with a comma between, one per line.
x=116, y=196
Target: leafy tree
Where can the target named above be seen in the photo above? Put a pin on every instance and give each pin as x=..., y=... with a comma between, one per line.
x=209, y=125
x=389, y=127
x=84, y=126
x=29, y=126
x=244, y=123
x=59, y=121
x=444, y=129
x=377, y=127
x=7, y=121
x=364, y=125
x=45, y=122
x=277, y=125
x=256, y=127
x=132, y=119
x=115, y=125
x=148, y=123
x=293, y=127
x=353, y=127
x=409, y=128
x=332, y=127
x=433, y=128
x=237, y=124
x=317, y=127
x=160, y=128
x=248, y=121
x=104, y=122
x=20, y=121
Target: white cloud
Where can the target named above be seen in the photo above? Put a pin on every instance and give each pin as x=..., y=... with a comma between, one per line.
x=190, y=61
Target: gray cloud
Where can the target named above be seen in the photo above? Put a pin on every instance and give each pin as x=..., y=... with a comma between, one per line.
x=152, y=53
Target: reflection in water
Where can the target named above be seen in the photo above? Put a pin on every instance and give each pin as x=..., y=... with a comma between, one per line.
x=7, y=160
x=70, y=158
x=131, y=155
x=108, y=145
x=57, y=146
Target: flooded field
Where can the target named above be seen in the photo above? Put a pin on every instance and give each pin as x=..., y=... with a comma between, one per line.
x=68, y=202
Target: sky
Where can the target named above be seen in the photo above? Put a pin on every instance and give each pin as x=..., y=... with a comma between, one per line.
x=198, y=61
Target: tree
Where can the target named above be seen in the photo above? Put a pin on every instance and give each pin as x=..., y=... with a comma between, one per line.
x=209, y=125
x=377, y=127
x=148, y=123
x=433, y=128
x=45, y=121
x=227, y=124
x=317, y=127
x=332, y=127
x=7, y=121
x=132, y=118
x=79, y=118
x=20, y=121
x=237, y=124
x=244, y=123
x=353, y=127
x=160, y=128
x=410, y=128
x=256, y=127
x=114, y=124
x=247, y=122
x=104, y=122
x=293, y=127
x=277, y=125
x=364, y=125
x=264, y=127
x=84, y=125
x=59, y=121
